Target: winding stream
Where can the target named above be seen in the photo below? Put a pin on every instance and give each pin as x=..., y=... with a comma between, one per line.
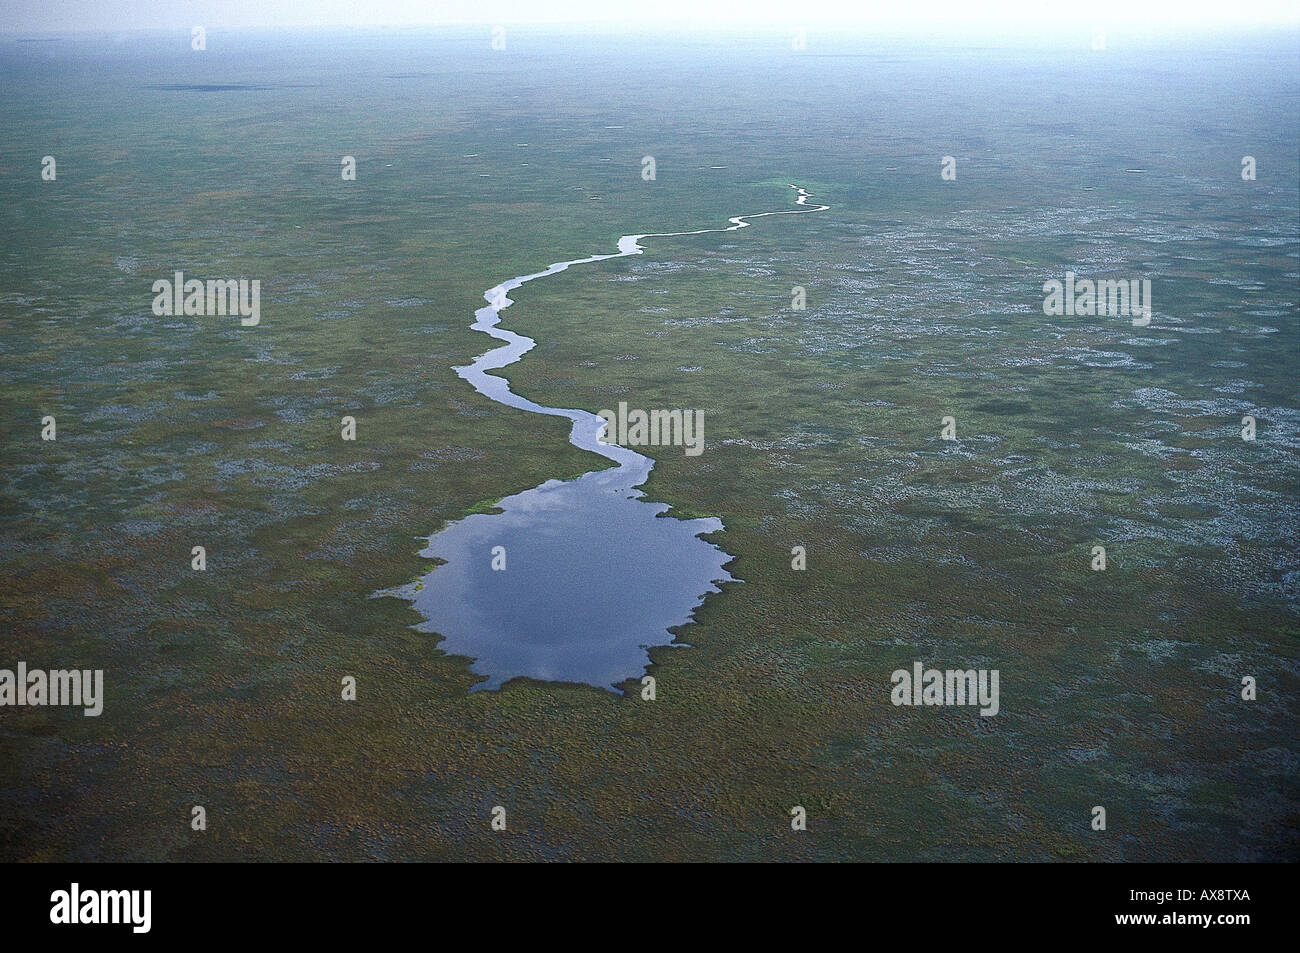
x=592, y=576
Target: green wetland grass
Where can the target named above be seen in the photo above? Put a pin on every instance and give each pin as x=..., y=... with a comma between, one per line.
x=822, y=430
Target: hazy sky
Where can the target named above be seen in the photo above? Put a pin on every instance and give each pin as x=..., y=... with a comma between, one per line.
x=1012, y=15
